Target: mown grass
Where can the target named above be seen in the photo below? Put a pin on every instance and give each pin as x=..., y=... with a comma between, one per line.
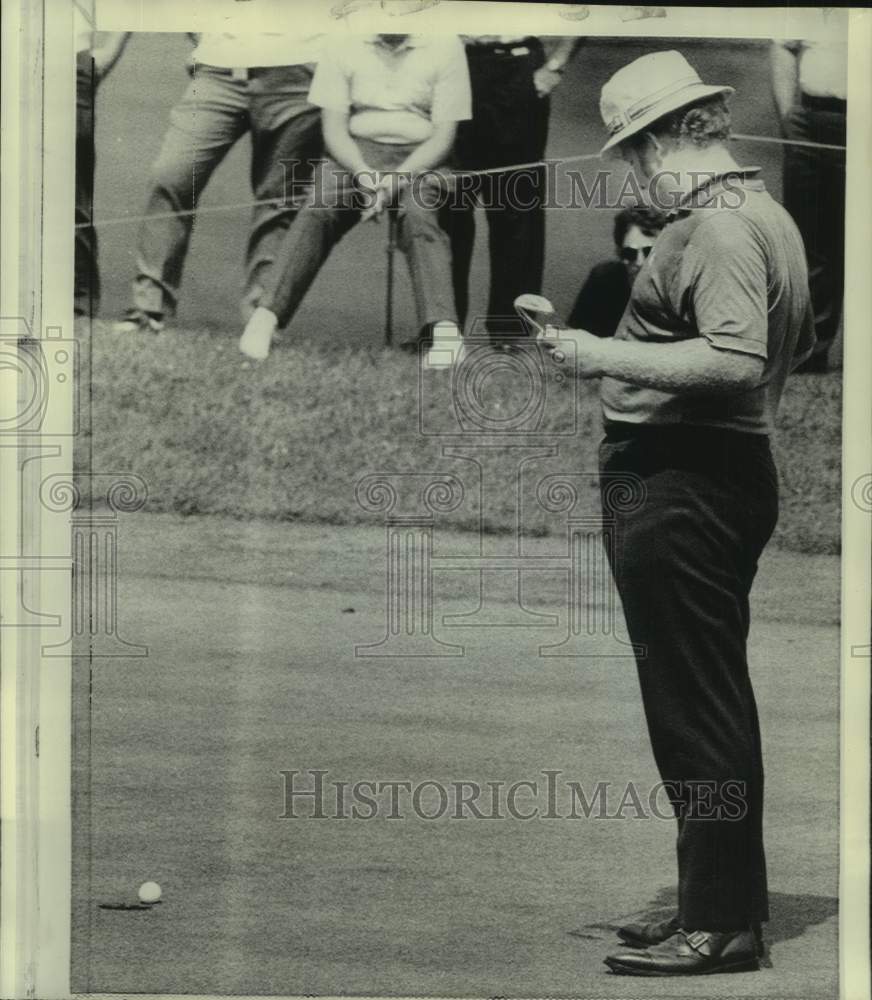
x=291, y=439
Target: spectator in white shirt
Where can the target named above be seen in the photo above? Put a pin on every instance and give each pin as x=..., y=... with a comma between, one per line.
x=390, y=106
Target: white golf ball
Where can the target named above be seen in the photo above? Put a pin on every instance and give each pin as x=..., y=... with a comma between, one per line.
x=149, y=892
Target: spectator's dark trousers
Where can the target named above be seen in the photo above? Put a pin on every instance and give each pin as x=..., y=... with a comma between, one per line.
x=684, y=565
x=509, y=125
x=814, y=194
x=335, y=207
x=87, y=276
x=218, y=107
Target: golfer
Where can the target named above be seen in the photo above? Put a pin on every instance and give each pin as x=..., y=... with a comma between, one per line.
x=718, y=316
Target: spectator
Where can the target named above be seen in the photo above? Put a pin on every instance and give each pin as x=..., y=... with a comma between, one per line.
x=512, y=78
x=390, y=104
x=239, y=83
x=96, y=54
x=606, y=292
x=810, y=88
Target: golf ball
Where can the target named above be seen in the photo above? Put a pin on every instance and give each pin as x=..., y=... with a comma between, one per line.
x=149, y=892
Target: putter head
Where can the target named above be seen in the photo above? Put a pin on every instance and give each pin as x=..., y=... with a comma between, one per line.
x=538, y=314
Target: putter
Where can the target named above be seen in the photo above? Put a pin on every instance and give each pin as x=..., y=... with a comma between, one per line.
x=538, y=315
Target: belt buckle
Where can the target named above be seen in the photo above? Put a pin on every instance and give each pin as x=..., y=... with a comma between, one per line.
x=240, y=73
x=519, y=50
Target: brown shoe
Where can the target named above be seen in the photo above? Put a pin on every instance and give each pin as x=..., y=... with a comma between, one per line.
x=690, y=953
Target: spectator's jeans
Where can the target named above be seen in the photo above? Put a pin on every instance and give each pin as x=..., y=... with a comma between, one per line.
x=509, y=125
x=814, y=194
x=684, y=566
x=87, y=275
x=334, y=208
x=216, y=110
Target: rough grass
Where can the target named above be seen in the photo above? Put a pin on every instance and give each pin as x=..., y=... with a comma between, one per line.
x=291, y=439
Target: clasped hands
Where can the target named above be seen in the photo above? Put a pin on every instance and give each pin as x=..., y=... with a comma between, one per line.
x=380, y=190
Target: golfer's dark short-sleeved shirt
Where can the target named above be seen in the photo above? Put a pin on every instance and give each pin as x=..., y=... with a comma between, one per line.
x=731, y=268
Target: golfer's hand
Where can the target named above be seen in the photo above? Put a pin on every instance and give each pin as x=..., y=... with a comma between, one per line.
x=577, y=350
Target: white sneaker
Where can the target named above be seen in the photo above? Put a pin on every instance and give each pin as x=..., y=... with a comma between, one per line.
x=259, y=332
x=447, y=348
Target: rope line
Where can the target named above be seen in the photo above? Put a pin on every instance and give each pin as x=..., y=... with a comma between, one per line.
x=560, y=161
x=806, y=143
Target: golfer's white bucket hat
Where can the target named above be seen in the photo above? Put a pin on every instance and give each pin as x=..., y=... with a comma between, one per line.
x=648, y=88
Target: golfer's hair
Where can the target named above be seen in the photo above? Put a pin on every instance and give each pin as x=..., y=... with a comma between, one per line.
x=700, y=124
x=649, y=220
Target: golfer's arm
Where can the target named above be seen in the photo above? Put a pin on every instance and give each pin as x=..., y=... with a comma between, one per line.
x=686, y=366
x=339, y=142
x=432, y=152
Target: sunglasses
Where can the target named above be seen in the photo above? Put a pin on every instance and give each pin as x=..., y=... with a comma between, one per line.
x=634, y=255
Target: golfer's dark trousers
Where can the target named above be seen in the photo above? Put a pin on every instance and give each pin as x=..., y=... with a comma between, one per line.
x=509, y=125
x=684, y=561
x=87, y=276
x=814, y=194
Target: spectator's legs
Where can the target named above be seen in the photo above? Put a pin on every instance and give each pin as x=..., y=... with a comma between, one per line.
x=87, y=275
x=286, y=142
x=461, y=229
x=211, y=116
x=332, y=209
x=814, y=194
x=428, y=251
x=509, y=126
x=516, y=245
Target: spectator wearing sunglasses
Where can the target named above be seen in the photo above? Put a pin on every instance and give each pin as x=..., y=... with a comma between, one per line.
x=606, y=292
